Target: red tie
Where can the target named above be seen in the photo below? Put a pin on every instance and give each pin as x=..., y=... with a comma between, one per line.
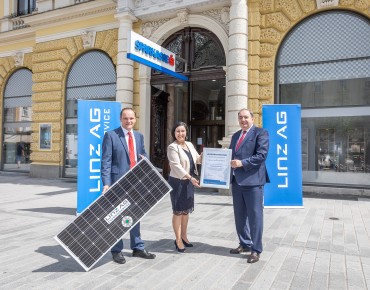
x=131, y=150
x=240, y=141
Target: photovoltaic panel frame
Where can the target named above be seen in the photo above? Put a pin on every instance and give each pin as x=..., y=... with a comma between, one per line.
x=100, y=226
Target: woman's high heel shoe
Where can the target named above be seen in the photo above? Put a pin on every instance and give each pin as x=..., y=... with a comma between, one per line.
x=178, y=249
x=189, y=245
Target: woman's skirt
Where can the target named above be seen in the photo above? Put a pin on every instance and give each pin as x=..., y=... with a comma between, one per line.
x=182, y=196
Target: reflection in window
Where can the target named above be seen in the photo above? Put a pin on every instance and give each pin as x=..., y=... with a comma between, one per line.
x=208, y=103
x=200, y=48
x=207, y=52
x=17, y=121
x=25, y=7
x=336, y=150
x=353, y=92
x=176, y=46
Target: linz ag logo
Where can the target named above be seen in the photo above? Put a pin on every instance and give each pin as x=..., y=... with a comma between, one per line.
x=117, y=211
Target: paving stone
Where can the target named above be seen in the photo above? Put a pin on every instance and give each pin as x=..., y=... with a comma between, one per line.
x=308, y=251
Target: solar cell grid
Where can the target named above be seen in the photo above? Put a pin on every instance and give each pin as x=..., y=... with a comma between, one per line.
x=112, y=215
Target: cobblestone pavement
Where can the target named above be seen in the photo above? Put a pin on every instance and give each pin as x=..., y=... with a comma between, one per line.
x=325, y=245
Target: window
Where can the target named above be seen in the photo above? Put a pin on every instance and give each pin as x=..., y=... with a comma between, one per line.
x=92, y=77
x=25, y=7
x=332, y=85
x=17, y=121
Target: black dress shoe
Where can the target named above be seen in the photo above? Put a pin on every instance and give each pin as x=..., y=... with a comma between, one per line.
x=142, y=254
x=253, y=257
x=178, y=249
x=118, y=257
x=189, y=245
x=240, y=249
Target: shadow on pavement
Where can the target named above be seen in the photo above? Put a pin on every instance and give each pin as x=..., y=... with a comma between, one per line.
x=64, y=263
x=56, y=192
x=199, y=247
x=215, y=203
x=55, y=210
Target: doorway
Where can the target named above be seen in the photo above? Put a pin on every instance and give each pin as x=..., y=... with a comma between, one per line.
x=200, y=102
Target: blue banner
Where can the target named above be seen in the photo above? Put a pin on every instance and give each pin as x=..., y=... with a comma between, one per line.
x=284, y=160
x=94, y=119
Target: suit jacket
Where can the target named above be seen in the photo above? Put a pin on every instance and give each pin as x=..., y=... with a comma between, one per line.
x=116, y=160
x=253, y=153
x=179, y=161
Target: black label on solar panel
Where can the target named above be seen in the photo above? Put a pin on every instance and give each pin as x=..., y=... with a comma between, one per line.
x=98, y=228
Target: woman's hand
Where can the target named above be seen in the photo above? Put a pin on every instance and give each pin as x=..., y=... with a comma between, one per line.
x=195, y=182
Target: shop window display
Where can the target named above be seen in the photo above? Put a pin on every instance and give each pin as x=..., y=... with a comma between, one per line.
x=336, y=150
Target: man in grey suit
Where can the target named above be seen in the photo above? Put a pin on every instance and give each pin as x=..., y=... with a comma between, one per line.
x=116, y=161
x=248, y=177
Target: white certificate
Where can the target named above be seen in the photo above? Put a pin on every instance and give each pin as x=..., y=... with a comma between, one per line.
x=216, y=168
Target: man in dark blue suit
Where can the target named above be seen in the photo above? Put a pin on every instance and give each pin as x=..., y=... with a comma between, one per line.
x=116, y=161
x=248, y=177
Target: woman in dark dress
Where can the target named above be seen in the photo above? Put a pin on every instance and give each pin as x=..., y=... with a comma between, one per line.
x=182, y=158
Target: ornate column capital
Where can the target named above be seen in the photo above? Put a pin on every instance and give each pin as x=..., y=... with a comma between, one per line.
x=126, y=15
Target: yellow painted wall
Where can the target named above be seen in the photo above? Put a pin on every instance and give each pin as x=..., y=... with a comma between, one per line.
x=2, y=8
x=17, y=46
x=76, y=25
x=268, y=23
x=52, y=61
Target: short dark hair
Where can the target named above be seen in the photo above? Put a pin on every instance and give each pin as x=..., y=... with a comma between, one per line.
x=250, y=112
x=126, y=109
x=178, y=124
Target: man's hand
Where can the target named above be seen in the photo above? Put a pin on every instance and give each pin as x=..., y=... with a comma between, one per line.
x=105, y=188
x=236, y=163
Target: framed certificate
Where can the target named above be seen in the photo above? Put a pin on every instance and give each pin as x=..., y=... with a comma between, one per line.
x=216, y=168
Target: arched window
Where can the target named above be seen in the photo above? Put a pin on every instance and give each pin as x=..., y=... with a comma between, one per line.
x=92, y=77
x=199, y=47
x=324, y=64
x=17, y=121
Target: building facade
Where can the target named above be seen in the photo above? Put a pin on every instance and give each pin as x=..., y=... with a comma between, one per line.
x=236, y=54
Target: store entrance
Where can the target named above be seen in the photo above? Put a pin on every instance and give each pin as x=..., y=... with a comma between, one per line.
x=200, y=102
x=158, y=128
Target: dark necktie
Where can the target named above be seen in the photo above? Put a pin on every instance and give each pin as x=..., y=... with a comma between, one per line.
x=240, y=140
x=131, y=150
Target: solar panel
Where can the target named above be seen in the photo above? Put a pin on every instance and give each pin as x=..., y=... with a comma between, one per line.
x=93, y=233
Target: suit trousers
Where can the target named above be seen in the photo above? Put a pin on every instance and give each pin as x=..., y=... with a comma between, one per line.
x=248, y=214
x=135, y=241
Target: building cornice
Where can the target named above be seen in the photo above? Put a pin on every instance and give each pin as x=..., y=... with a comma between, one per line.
x=168, y=8
x=59, y=16
x=16, y=36
x=76, y=32
x=13, y=52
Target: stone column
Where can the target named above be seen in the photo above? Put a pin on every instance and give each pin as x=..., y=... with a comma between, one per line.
x=125, y=67
x=5, y=21
x=145, y=103
x=237, y=70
